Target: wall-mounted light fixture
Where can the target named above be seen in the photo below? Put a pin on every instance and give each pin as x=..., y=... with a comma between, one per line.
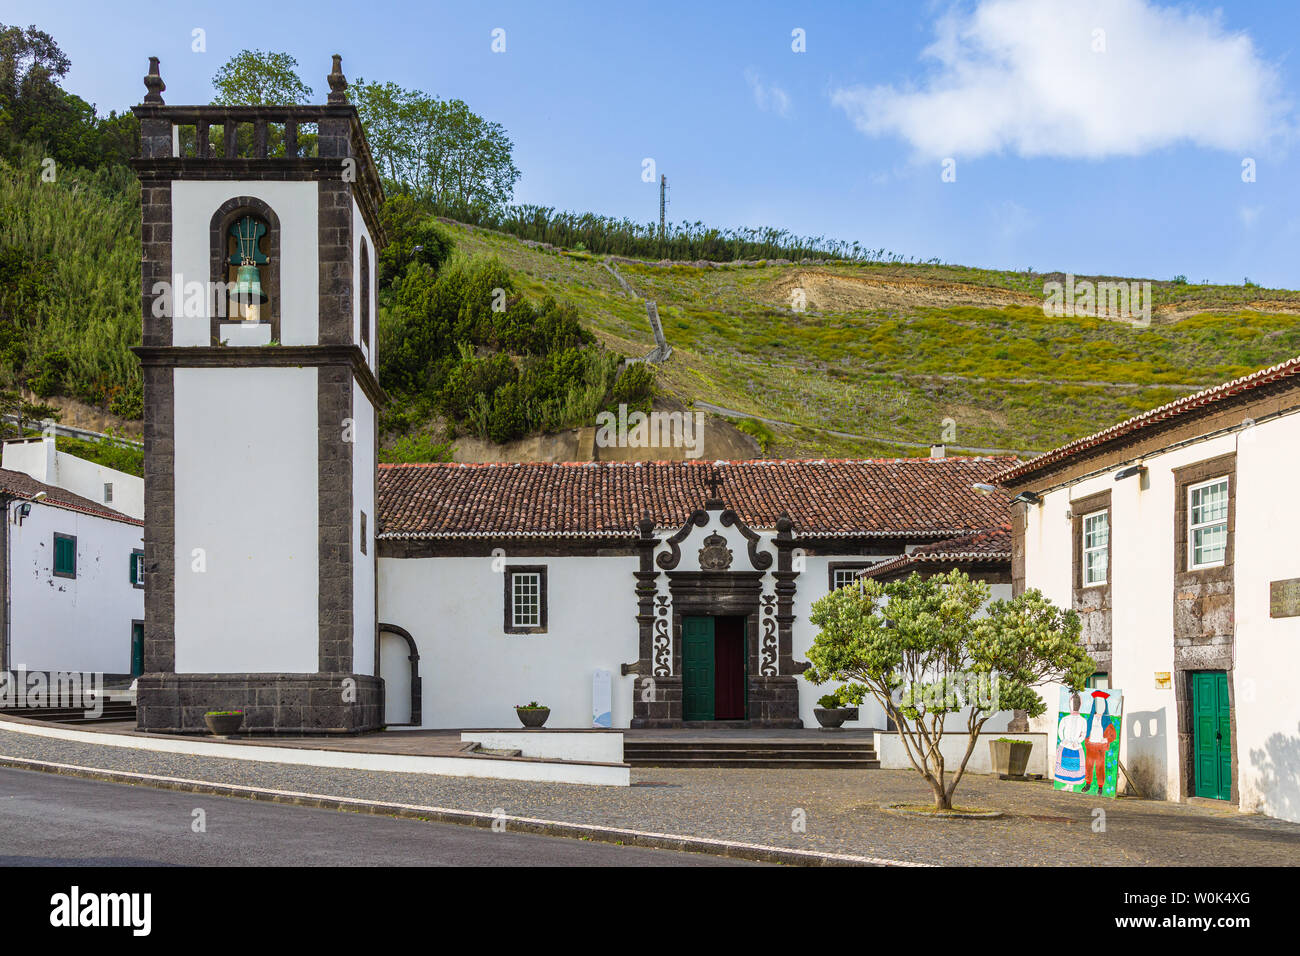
x=1130, y=471
x=1027, y=498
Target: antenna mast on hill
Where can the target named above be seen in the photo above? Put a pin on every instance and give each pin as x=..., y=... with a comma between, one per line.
x=663, y=204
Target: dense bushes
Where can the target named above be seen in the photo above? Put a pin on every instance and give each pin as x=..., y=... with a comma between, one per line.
x=462, y=342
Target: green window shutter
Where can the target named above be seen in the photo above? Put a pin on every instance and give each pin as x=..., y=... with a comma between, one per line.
x=65, y=555
x=135, y=568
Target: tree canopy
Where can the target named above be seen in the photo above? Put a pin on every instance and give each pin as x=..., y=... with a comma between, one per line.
x=254, y=78
x=438, y=150
x=928, y=649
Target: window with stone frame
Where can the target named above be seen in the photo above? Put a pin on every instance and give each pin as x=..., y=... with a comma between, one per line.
x=1207, y=524
x=525, y=599
x=1096, y=548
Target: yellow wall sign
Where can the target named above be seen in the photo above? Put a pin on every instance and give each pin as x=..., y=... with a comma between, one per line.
x=1163, y=680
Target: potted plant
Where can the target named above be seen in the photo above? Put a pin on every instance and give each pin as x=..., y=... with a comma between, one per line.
x=532, y=714
x=1010, y=756
x=828, y=711
x=223, y=723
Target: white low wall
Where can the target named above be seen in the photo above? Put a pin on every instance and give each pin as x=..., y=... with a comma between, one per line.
x=551, y=745
x=893, y=756
x=494, y=768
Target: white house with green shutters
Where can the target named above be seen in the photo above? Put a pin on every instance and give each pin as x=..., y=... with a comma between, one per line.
x=72, y=584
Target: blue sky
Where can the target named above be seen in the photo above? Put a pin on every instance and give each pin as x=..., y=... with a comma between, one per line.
x=1114, y=153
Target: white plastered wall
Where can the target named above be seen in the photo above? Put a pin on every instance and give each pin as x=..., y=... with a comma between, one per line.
x=246, y=499
x=296, y=204
x=474, y=673
x=363, y=502
x=1267, y=650
x=72, y=624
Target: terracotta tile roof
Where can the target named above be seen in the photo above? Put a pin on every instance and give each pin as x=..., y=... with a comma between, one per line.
x=919, y=497
x=24, y=486
x=1188, y=407
x=993, y=545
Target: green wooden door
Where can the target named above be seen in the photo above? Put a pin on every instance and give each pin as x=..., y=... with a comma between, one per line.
x=1212, y=743
x=137, y=648
x=697, y=668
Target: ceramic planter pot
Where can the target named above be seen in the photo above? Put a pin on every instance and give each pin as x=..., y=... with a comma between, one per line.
x=533, y=716
x=829, y=717
x=1010, y=757
x=223, y=725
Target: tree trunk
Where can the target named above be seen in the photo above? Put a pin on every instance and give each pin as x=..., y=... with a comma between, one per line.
x=942, y=800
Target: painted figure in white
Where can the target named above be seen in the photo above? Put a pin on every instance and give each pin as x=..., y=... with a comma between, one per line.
x=1069, y=755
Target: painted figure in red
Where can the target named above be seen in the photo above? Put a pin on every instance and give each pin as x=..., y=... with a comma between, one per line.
x=1099, y=740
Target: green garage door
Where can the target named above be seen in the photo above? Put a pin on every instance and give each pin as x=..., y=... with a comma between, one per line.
x=1212, y=742
x=697, y=668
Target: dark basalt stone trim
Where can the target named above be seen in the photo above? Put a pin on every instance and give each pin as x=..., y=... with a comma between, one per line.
x=1019, y=522
x=1093, y=602
x=282, y=704
x=762, y=560
x=673, y=556
x=155, y=257
x=5, y=501
x=334, y=509
x=1204, y=614
x=266, y=356
x=416, y=696
x=222, y=219
x=160, y=519
x=514, y=547
x=508, y=606
x=334, y=258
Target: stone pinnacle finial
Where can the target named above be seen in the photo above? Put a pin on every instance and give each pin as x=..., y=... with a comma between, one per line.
x=154, y=83
x=337, y=81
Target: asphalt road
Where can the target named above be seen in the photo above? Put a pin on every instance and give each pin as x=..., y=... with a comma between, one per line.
x=49, y=820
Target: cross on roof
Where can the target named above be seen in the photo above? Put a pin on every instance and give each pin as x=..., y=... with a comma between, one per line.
x=713, y=481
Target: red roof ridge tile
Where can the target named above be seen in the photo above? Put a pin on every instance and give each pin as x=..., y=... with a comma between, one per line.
x=1185, y=406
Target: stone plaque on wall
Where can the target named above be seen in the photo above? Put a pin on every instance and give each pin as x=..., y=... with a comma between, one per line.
x=1284, y=598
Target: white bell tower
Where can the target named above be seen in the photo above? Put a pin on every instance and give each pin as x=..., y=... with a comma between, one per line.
x=260, y=236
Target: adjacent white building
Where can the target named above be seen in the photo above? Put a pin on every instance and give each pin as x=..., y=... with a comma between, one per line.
x=72, y=583
x=40, y=458
x=1173, y=535
x=689, y=583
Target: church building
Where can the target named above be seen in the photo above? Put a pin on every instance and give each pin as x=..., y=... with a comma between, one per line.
x=289, y=576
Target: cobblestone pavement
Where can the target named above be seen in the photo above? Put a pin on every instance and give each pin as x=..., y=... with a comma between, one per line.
x=842, y=809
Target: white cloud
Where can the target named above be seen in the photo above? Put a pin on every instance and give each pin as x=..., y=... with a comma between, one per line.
x=1249, y=215
x=1025, y=76
x=767, y=97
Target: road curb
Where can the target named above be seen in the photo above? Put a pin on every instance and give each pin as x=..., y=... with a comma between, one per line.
x=732, y=849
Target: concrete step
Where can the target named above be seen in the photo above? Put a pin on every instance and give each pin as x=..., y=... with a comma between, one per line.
x=657, y=753
x=755, y=763
x=113, y=710
x=857, y=753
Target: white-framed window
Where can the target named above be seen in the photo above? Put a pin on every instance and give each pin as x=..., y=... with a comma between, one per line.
x=525, y=599
x=843, y=577
x=108, y=492
x=1207, y=524
x=1096, y=548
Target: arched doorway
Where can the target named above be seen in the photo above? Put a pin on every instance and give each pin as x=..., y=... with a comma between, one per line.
x=399, y=667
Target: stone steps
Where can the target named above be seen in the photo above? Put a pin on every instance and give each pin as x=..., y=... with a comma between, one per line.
x=750, y=754
x=113, y=710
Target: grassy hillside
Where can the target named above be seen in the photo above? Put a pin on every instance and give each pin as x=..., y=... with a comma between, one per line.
x=880, y=358
x=884, y=353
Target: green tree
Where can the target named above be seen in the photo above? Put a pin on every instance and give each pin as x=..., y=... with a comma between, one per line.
x=439, y=150
x=254, y=78
x=922, y=648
